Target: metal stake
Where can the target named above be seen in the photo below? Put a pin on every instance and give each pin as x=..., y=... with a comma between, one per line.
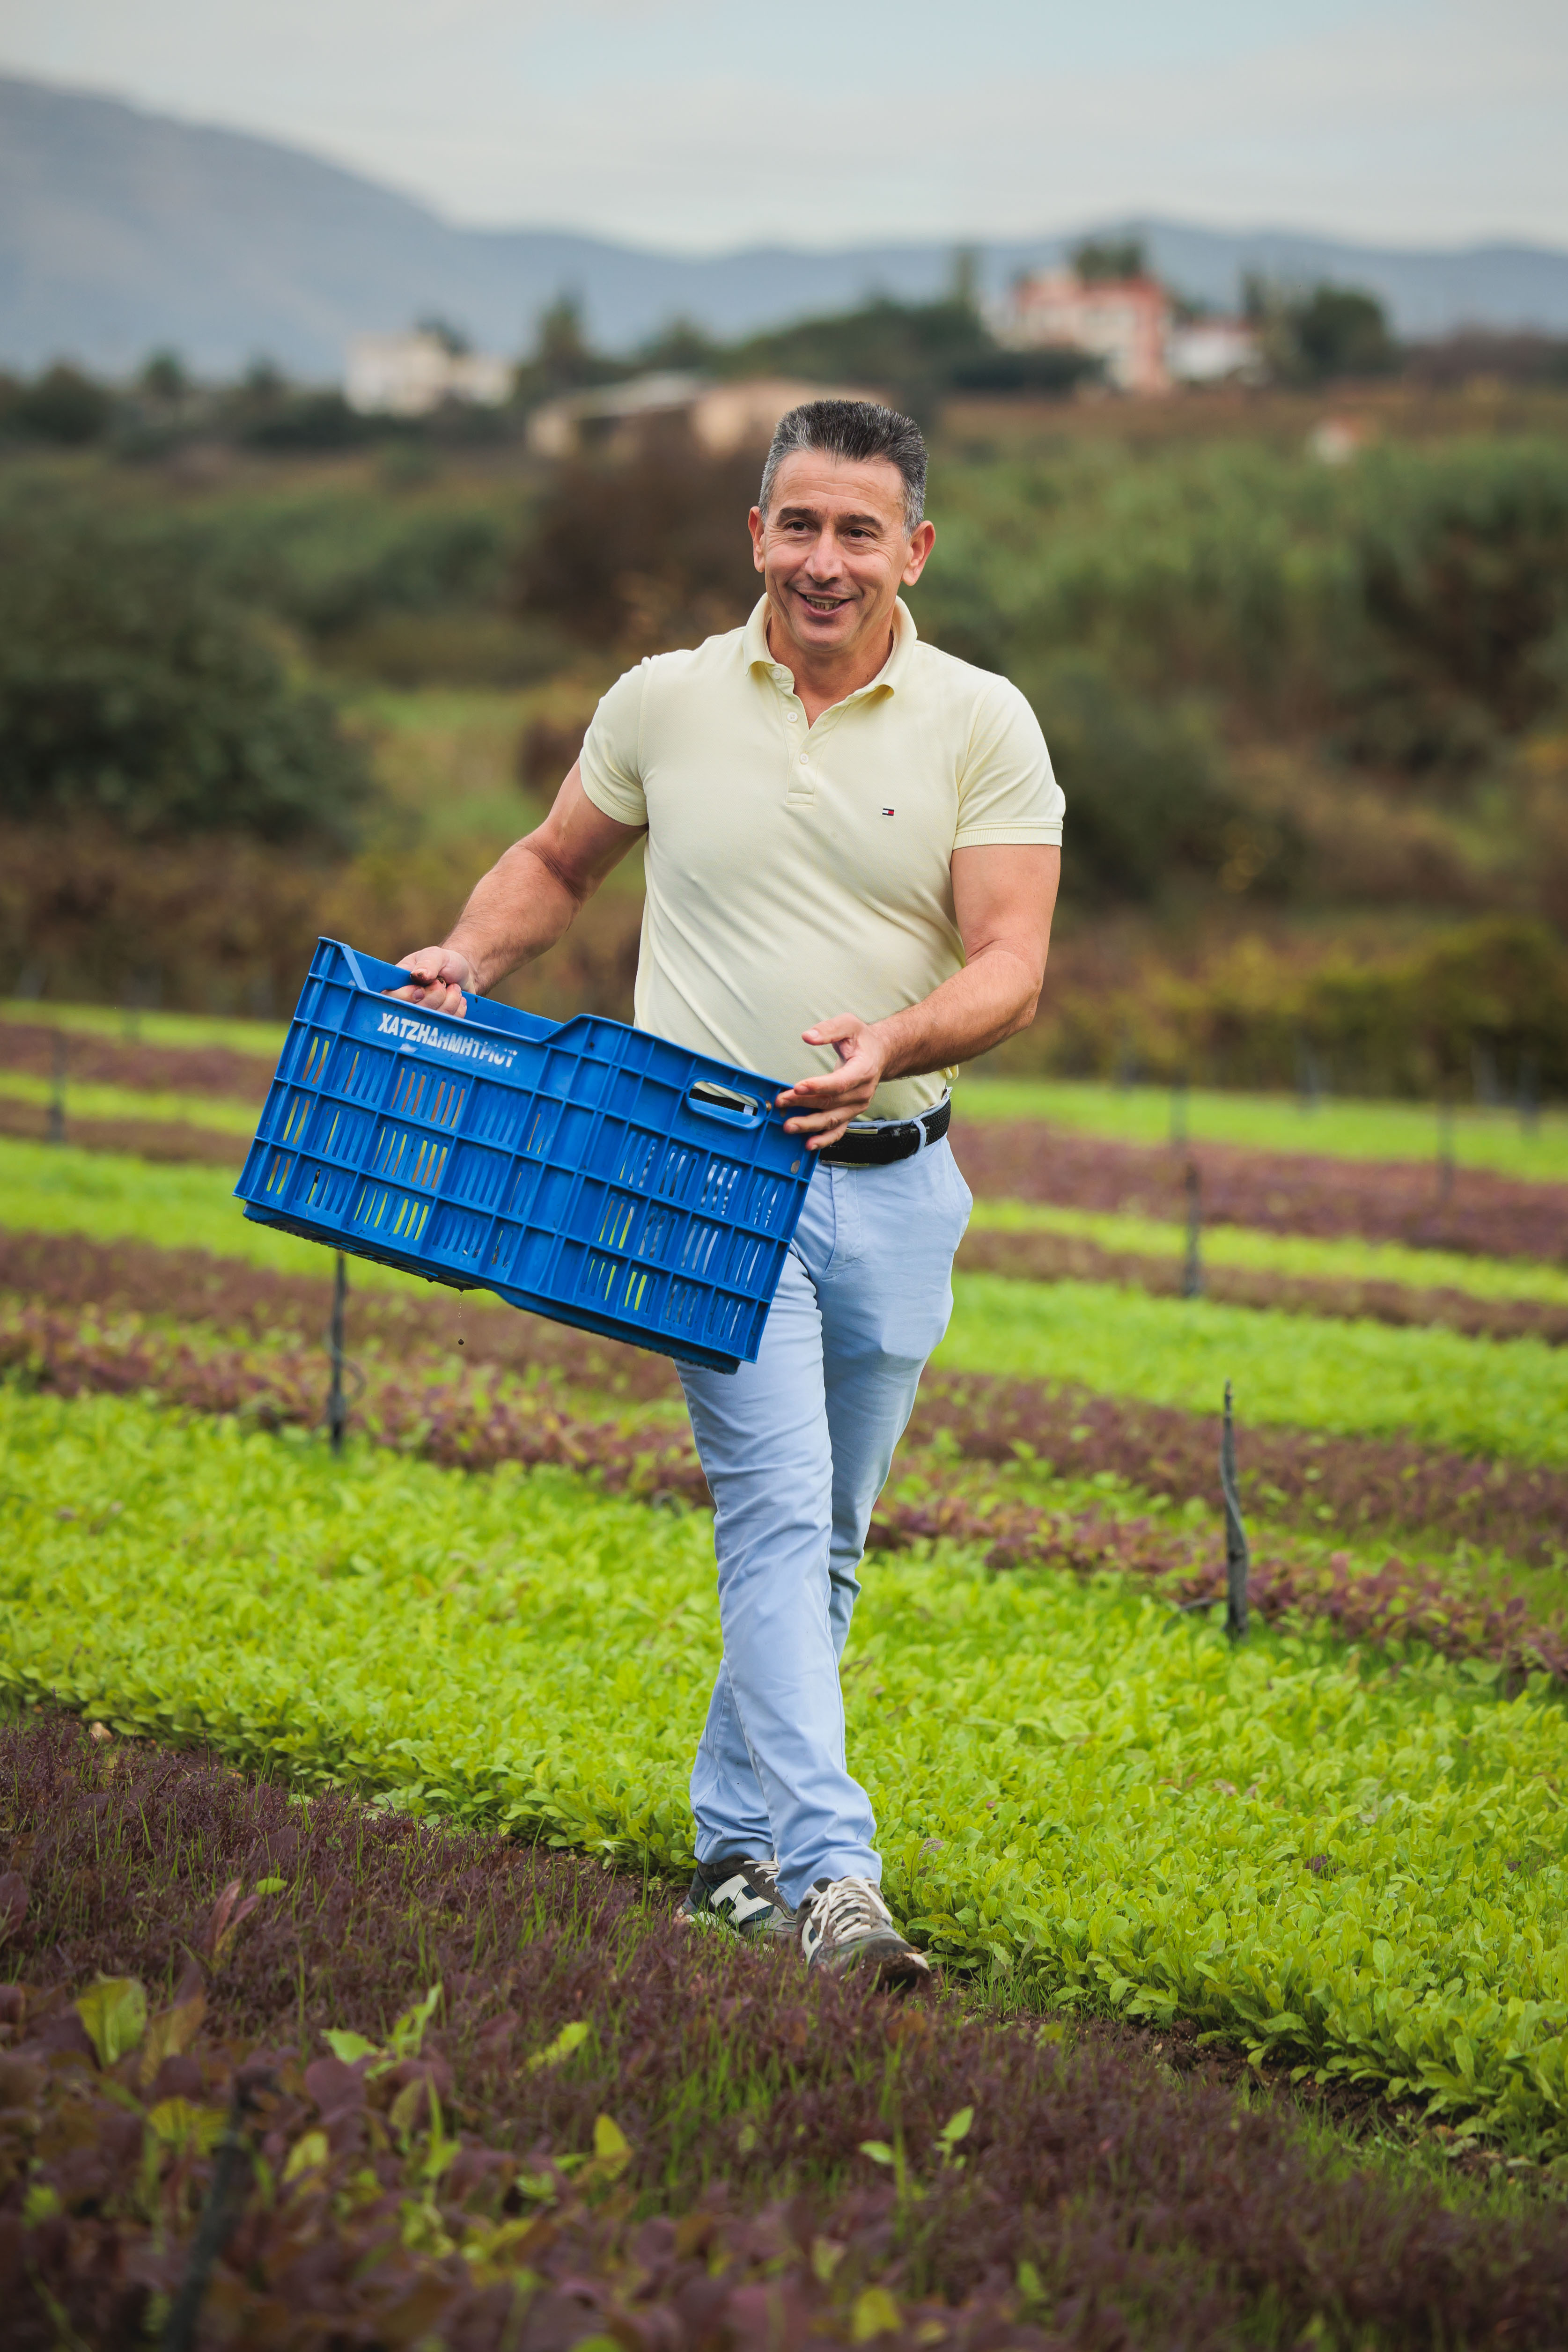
x=1179, y=1115
x=1192, y=1270
x=337, y=1410
x=58, y=1097
x=1444, y=1148
x=220, y=2211
x=1236, y=1560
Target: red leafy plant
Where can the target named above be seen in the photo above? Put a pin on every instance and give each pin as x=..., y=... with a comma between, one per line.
x=600, y=2126
x=1055, y=1257
x=1284, y=1193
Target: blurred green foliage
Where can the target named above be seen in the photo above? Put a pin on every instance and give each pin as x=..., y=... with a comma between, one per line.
x=1412, y=606
x=911, y=352
x=1322, y=333
x=130, y=692
x=1274, y=688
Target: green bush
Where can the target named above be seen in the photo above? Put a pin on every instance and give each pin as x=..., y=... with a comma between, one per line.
x=1412, y=606
x=130, y=691
x=1460, y=620
x=62, y=405
x=645, y=553
x=1147, y=799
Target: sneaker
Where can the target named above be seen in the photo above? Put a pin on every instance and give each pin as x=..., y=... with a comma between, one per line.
x=845, y=1924
x=743, y=1892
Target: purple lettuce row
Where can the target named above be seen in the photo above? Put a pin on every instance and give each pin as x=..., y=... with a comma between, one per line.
x=474, y=1424
x=131, y=1277
x=169, y=1141
x=1057, y=1257
x=1284, y=1193
x=1028, y=1160
x=1111, y=2191
x=1360, y=1485
x=99, y=1060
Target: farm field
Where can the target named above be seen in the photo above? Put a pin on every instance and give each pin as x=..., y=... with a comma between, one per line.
x=1248, y=1249
x=541, y=2080
x=1497, y=1397
x=342, y=1794
x=479, y=1643
x=1341, y=1129
x=1281, y=1841
x=1480, y=1137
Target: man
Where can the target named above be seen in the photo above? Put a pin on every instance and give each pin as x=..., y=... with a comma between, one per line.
x=852, y=856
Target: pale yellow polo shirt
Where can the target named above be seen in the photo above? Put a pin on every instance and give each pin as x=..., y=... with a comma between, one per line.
x=797, y=872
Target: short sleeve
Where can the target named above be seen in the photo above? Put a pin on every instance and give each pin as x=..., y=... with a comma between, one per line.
x=1006, y=791
x=611, y=757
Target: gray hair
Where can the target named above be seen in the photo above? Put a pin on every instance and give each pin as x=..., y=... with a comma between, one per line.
x=853, y=430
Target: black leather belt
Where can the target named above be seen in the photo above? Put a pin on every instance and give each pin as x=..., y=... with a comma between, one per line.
x=890, y=1139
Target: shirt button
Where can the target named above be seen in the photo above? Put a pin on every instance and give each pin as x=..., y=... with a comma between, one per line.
x=805, y=758
x=791, y=716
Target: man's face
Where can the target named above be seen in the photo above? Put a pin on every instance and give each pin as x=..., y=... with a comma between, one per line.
x=833, y=551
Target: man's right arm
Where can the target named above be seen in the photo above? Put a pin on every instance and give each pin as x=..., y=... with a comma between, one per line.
x=524, y=904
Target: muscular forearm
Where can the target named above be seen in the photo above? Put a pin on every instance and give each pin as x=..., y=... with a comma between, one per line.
x=519, y=908
x=987, y=1001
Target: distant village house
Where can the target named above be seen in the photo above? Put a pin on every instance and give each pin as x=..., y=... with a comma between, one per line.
x=1130, y=324
x=721, y=417
x=415, y=373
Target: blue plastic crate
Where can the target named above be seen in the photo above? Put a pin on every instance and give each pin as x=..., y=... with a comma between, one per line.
x=585, y=1171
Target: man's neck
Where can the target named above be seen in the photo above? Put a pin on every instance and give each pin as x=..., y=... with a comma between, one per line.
x=820, y=683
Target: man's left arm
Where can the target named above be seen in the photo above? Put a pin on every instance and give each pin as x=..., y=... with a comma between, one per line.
x=1004, y=895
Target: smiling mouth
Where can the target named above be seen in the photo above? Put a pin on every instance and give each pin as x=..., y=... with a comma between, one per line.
x=815, y=603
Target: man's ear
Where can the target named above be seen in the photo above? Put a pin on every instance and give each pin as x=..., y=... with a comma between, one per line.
x=755, y=524
x=920, y=544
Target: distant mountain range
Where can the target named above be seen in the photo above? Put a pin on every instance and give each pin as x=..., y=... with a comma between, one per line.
x=123, y=231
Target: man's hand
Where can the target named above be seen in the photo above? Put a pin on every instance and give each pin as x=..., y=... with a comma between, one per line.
x=1003, y=896
x=440, y=976
x=831, y=1101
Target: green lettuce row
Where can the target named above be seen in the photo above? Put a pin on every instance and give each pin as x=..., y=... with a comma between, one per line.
x=1505, y=1397
x=1508, y=1398
x=1355, y=1865
x=1340, y=1127
x=1315, y=1257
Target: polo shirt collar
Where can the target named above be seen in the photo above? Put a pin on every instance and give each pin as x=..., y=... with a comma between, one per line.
x=892, y=674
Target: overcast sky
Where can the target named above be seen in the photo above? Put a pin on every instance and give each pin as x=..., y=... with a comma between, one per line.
x=701, y=125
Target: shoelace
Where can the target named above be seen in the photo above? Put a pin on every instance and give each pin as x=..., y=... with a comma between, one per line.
x=849, y=1905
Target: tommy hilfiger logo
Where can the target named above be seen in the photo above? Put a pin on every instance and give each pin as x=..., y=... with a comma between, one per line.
x=886, y=812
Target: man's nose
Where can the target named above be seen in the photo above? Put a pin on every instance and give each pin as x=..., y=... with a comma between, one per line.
x=824, y=556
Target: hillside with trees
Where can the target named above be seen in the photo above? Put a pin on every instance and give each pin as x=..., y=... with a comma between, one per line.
x=1301, y=653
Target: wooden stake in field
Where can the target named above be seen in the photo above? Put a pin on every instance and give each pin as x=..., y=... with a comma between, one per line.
x=57, y=1095
x=337, y=1410
x=1236, y=1560
x=1193, y=1268
x=1444, y=1147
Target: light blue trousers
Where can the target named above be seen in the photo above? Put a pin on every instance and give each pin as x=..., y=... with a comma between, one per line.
x=796, y=1449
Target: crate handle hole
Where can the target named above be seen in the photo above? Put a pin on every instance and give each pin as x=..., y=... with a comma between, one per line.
x=723, y=1102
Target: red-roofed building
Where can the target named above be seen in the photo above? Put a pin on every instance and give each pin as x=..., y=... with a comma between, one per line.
x=1124, y=322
